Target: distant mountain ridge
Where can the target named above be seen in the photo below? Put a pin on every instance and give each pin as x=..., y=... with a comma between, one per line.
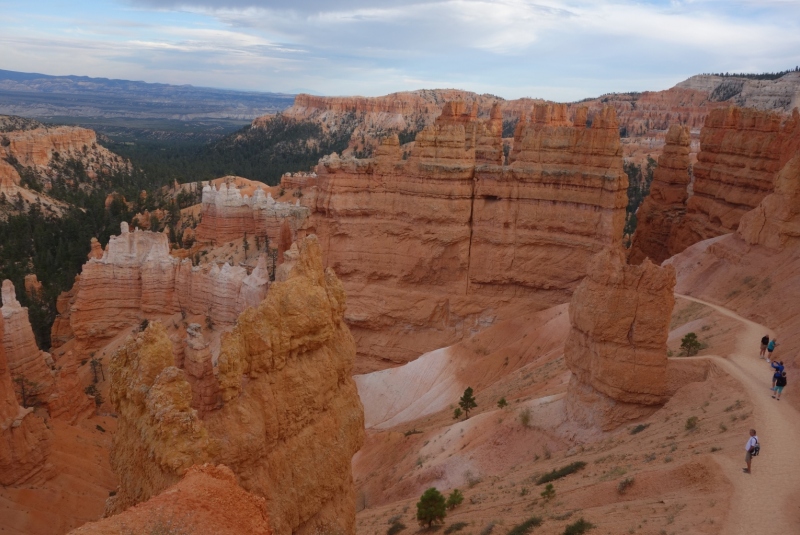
x=45, y=96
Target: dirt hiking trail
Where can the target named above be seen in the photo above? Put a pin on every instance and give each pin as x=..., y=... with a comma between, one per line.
x=765, y=500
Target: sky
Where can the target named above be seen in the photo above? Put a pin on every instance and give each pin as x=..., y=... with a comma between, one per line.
x=562, y=50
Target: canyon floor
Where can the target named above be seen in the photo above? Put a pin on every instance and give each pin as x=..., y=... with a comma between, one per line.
x=683, y=478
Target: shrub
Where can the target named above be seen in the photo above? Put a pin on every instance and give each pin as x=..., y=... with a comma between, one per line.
x=525, y=417
x=691, y=423
x=456, y=413
x=452, y=528
x=624, y=485
x=549, y=492
x=454, y=499
x=690, y=344
x=578, y=528
x=502, y=403
x=395, y=528
x=526, y=527
x=488, y=529
x=561, y=472
x=639, y=428
x=431, y=507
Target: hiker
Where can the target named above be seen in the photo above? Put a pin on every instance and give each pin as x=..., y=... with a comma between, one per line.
x=779, y=384
x=750, y=448
x=778, y=367
x=764, y=342
x=770, y=348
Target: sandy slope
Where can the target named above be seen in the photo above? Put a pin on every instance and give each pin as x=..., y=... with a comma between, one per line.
x=765, y=499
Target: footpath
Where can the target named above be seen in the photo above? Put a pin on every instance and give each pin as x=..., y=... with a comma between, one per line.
x=768, y=500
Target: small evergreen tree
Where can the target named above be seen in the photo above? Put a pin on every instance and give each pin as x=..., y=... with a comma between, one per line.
x=456, y=414
x=431, y=507
x=454, y=499
x=690, y=344
x=549, y=492
x=467, y=402
x=502, y=403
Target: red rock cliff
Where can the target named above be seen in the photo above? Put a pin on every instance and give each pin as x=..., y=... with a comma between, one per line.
x=290, y=419
x=617, y=347
x=439, y=243
x=663, y=210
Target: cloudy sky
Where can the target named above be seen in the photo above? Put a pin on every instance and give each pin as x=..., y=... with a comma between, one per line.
x=557, y=49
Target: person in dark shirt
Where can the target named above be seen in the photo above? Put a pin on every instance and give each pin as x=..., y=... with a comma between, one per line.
x=764, y=342
x=779, y=384
x=778, y=367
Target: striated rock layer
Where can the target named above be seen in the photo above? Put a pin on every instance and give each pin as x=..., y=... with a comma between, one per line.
x=741, y=151
x=206, y=500
x=24, y=438
x=617, y=347
x=438, y=243
x=290, y=418
x=234, y=211
x=776, y=220
x=137, y=278
x=663, y=210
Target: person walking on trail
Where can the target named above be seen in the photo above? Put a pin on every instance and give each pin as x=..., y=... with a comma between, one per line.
x=778, y=367
x=764, y=343
x=751, y=448
x=770, y=348
x=779, y=384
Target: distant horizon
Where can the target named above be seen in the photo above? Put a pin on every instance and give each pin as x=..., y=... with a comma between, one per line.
x=560, y=50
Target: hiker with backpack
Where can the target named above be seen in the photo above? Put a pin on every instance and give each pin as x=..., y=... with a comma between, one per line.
x=778, y=367
x=780, y=382
x=764, y=343
x=753, y=448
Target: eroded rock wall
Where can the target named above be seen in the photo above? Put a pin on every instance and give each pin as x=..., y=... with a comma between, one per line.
x=137, y=278
x=741, y=151
x=776, y=220
x=290, y=418
x=436, y=244
x=24, y=438
x=663, y=210
x=617, y=346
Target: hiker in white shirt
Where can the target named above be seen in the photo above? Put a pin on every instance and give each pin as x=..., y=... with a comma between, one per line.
x=750, y=448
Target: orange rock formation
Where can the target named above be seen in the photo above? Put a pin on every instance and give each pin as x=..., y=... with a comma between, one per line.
x=290, y=418
x=617, y=347
x=437, y=244
x=206, y=500
x=776, y=220
x=665, y=207
x=137, y=278
x=24, y=438
x=243, y=209
x=741, y=151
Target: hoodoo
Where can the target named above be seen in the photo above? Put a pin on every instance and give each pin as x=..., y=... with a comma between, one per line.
x=289, y=419
x=617, y=346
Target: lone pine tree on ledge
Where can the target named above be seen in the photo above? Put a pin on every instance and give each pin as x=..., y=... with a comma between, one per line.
x=467, y=402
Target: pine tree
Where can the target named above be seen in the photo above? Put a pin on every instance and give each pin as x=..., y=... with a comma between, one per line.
x=467, y=402
x=431, y=507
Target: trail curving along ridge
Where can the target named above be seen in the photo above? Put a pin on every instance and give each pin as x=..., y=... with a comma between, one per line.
x=767, y=499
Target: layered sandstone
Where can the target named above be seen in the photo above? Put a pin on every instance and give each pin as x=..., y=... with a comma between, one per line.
x=231, y=212
x=776, y=220
x=617, y=346
x=440, y=242
x=68, y=401
x=665, y=207
x=206, y=500
x=24, y=438
x=199, y=366
x=290, y=418
x=741, y=151
x=136, y=278
x=25, y=361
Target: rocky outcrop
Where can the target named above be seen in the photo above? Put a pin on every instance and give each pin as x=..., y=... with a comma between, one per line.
x=741, y=151
x=206, y=500
x=663, y=210
x=230, y=213
x=440, y=242
x=24, y=438
x=617, y=346
x=781, y=94
x=68, y=401
x=25, y=361
x=199, y=366
x=137, y=278
x=290, y=419
x=776, y=220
